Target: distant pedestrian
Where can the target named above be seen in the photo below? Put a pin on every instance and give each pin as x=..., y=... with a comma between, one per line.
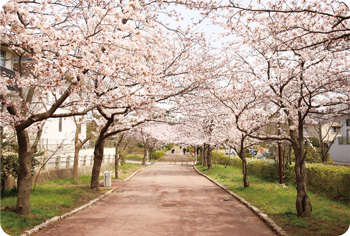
x=184, y=151
x=172, y=150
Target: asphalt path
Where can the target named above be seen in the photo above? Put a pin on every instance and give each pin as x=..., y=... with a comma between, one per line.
x=163, y=200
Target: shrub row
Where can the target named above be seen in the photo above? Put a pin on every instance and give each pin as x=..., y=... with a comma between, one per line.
x=328, y=179
x=157, y=154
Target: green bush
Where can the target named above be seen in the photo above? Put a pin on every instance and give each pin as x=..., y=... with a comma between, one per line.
x=328, y=179
x=157, y=154
x=315, y=142
x=312, y=155
x=331, y=180
x=219, y=157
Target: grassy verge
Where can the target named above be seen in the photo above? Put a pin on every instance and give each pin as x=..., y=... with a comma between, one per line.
x=52, y=198
x=329, y=217
x=126, y=170
x=136, y=157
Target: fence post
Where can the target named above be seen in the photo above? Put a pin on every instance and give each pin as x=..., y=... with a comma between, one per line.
x=68, y=161
x=58, y=162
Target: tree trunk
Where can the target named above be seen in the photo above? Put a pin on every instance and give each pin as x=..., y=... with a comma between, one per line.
x=245, y=172
x=24, y=181
x=145, y=152
x=204, y=158
x=200, y=151
x=76, y=165
x=98, y=156
x=76, y=150
x=150, y=150
x=209, y=157
x=303, y=203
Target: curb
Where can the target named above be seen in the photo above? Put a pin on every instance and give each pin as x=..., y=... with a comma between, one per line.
x=267, y=220
x=58, y=218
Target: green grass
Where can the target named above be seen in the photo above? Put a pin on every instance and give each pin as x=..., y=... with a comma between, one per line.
x=127, y=169
x=136, y=157
x=52, y=198
x=329, y=216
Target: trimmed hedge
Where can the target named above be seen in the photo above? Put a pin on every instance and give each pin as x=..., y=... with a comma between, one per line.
x=157, y=154
x=333, y=181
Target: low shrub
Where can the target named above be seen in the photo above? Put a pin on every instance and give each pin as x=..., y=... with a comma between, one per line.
x=157, y=154
x=332, y=180
x=328, y=179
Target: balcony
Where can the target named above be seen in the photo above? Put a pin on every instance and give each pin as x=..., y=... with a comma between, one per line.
x=344, y=140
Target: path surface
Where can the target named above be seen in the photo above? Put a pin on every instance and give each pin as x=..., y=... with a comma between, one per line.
x=163, y=200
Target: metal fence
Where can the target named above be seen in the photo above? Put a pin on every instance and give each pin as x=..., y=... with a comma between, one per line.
x=63, y=161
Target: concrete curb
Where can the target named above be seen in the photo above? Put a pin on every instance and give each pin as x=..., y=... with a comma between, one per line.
x=267, y=220
x=58, y=218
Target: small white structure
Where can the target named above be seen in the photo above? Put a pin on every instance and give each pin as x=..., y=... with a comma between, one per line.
x=340, y=150
x=60, y=133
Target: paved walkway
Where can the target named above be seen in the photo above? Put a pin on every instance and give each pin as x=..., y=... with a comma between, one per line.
x=163, y=200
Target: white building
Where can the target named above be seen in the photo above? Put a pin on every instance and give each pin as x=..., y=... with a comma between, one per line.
x=340, y=150
x=57, y=131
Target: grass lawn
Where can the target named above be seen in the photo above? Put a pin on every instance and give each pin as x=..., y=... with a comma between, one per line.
x=52, y=198
x=126, y=170
x=136, y=157
x=329, y=217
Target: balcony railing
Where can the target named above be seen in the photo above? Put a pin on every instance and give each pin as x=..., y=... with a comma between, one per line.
x=344, y=140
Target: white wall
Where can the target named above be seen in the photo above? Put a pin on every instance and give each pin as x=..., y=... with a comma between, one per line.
x=340, y=152
x=52, y=137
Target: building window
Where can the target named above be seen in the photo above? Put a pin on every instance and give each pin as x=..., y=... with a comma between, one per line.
x=336, y=129
x=3, y=58
x=347, y=122
x=60, y=124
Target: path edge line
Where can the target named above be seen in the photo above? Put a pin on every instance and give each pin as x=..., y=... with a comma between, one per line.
x=264, y=217
x=54, y=219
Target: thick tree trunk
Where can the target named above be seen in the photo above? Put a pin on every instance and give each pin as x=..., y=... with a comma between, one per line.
x=145, y=150
x=303, y=203
x=98, y=156
x=24, y=181
x=245, y=172
x=209, y=157
x=150, y=150
x=204, y=158
x=76, y=165
x=200, y=150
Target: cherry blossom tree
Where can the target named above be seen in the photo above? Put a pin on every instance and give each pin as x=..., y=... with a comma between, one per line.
x=67, y=52
x=282, y=62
